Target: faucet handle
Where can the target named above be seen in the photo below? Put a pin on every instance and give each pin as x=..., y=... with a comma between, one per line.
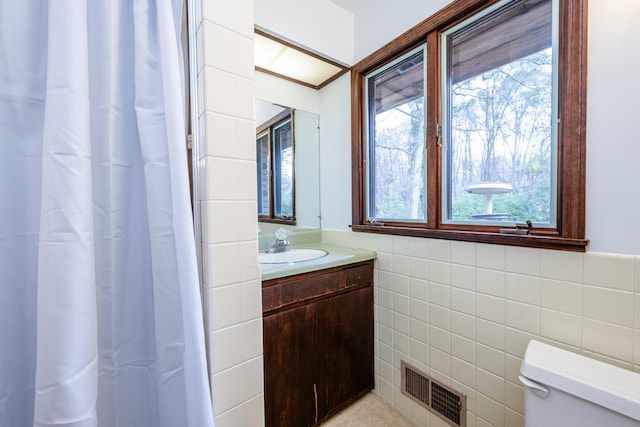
x=281, y=234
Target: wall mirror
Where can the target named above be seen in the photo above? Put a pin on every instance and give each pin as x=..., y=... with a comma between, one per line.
x=295, y=188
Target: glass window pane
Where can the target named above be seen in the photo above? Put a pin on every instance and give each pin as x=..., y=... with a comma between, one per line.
x=262, y=156
x=283, y=170
x=499, y=129
x=396, y=146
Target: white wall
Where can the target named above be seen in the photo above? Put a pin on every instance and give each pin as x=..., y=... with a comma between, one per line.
x=613, y=144
x=377, y=22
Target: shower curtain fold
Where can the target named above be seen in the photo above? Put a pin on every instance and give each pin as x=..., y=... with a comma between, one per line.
x=100, y=314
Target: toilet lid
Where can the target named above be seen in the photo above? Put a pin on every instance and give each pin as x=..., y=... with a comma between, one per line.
x=606, y=385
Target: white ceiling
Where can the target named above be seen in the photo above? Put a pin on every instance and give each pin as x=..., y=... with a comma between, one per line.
x=349, y=5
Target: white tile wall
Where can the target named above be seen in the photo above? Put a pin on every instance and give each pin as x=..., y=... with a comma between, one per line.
x=474, y=307
x=228, y=205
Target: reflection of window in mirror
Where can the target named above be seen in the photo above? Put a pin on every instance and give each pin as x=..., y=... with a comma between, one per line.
x=275, y=171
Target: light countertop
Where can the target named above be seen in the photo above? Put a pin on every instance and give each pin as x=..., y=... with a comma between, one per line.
x=337, y=256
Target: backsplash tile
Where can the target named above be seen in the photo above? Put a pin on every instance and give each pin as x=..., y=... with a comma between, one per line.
x=523, y=260
x=608, y=305
x=491, y=256
x=609, y=271
x=559, y=265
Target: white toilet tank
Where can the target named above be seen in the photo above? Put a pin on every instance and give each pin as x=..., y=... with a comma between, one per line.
x=564, y=389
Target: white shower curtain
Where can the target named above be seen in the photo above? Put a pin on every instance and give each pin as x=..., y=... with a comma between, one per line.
x=100, y=313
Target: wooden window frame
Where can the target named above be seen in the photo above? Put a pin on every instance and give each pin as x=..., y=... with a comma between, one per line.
x=569, y=233
x=268, y=126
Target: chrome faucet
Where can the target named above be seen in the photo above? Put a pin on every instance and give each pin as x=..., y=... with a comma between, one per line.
x=281, y=244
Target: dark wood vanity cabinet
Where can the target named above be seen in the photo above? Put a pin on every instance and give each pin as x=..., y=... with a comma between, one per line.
x=318, y=343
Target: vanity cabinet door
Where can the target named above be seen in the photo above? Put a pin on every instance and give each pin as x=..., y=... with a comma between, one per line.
x=345, y=330
x=291, y=367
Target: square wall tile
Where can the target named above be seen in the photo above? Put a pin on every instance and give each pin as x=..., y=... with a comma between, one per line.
x=401, y=323
x=513, y=418
x=225, y=306
x=440, y=317
x=220, y=170
x=490, y=308
x=523, y=260
x=440, y=339
x=440, y=272
x=400, y=264
x=232, y=15
x=252, y=378
x=439, y=294
x=463, y=301
x=384, y=261
x=419, y=331
x=440, y=250
x=491, y=256
x=225, y=128
x=562, y=296
x=608, y=305
x=418, y=268
x=401, y=284
x=491, y=282
x=419, y=289
x=226, y=50
x=490, y=385
x=400, y=245
x=490, y=334
x=636, y=275
x=401, y=343
x=517, y=341
x=419, y=247
x=512, y=368
x=231, y=381
x=463, y=349
x=490, y=359
x=524, y=317
x=523, y=288
x=463, y=325
x=463, y=372
x=419, y=310
x=228, y=343
x=463, y=253
x=440, y=361
x=251, y=339
x=562, y=265
x=561, y=327
x=385, y=280
x=219, y=89
x=608, y=339
x=223, y=264
x=490, y=410
x=463, y=276
x=251, y=300
x=636, y=299
x=609, y=270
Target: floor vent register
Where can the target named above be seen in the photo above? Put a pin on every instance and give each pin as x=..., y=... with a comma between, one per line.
x=445, y=402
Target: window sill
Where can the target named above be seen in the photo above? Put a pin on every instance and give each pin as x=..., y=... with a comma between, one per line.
x=528, y=240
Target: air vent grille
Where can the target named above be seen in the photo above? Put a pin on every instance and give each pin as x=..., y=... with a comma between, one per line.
x=430, y=393
x=416, y=385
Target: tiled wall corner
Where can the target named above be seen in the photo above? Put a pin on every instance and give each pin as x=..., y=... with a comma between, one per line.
x=228, y=204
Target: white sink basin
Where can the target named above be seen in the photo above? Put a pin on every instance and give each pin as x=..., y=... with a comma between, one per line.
x=291, y=255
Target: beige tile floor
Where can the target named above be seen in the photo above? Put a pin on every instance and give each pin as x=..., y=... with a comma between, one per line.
x=369, y=411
